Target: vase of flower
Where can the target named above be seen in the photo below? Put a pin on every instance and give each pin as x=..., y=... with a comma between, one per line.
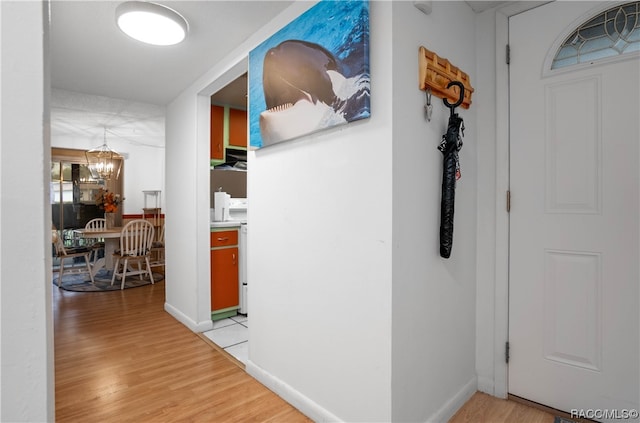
x=109, y=220
x=108, y=202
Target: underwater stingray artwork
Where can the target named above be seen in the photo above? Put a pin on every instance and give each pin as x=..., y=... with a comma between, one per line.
x=311, y=75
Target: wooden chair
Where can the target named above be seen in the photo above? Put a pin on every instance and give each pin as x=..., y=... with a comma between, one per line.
x=157, y=250
x=135, y=247
x=97, y=244
x=63, y=253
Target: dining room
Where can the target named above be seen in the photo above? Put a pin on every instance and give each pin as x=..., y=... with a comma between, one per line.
x=133, y=131
x=82, y=192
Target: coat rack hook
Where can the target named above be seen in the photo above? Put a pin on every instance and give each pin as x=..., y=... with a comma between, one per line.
x=436, y=72
x=460, y=99
x=428, y=107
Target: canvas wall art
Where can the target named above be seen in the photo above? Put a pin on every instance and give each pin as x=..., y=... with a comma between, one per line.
x=312, y=74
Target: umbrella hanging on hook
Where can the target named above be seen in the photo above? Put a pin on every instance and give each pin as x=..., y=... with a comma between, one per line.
x=450, y=146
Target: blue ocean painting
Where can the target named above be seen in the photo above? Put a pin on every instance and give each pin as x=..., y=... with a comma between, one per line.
x=312, y=74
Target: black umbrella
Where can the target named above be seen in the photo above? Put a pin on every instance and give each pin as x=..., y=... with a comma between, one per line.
x=449, y=146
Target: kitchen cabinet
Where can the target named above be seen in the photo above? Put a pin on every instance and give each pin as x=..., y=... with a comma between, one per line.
x=225, y=298
x=217, y=133
x=238, y=128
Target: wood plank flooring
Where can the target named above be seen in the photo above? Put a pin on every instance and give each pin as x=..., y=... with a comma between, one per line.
x=119, y=357
x=483, y=408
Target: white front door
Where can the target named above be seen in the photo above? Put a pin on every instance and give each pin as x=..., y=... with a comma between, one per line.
x=574, y=222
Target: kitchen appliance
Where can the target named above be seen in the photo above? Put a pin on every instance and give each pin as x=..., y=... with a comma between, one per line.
x=238, y=212
x=242, y=246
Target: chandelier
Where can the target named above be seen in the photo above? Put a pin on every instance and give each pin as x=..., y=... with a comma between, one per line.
x=104, y=162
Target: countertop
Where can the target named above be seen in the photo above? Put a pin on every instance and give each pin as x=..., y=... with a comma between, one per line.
x=226, y=224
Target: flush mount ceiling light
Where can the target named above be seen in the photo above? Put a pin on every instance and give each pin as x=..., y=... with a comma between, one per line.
x=151, y=23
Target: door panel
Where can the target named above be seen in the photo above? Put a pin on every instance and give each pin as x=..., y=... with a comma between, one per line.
x=574, y=231
x=224, y=278
x=573, y=146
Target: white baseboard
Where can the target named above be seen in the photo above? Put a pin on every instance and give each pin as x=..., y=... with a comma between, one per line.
x=291, y=395
x=185, y=320
x=318, y=414
x=453, y=405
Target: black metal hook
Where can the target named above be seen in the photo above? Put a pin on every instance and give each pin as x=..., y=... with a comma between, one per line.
x=460, y=100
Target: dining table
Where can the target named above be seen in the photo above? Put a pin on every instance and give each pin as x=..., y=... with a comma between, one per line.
x=111, y=238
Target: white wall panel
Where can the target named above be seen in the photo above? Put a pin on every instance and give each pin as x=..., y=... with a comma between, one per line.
x=26, y=317
x=434, y=299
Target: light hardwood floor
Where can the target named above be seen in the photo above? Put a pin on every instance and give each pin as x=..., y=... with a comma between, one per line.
x=119, y=357
x=483, y=408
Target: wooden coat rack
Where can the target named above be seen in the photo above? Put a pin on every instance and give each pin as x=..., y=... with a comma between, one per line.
x=437, y=72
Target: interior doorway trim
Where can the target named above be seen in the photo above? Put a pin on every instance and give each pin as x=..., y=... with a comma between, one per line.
x=501, y=299
x=203, y=117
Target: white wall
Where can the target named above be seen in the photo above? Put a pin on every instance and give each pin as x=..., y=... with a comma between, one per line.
x=320, y=255
x=433, y=298
x=186, y=254
x=135, y=130
x=26, y=323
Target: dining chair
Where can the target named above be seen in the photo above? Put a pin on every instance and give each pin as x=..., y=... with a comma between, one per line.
x=136, y=238
x=96, y=244
x=157, y=249
x=64, y=253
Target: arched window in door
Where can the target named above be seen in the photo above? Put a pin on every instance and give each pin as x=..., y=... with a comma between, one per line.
x=614, y=32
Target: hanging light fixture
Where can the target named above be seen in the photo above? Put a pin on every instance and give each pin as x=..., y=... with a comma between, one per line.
x=151, y=23
x=104, y=162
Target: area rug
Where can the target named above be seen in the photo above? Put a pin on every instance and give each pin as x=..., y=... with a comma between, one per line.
x=82, y=283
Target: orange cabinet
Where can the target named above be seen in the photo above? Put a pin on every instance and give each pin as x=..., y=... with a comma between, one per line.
x=217, y=133
x=238, y=128
x=224, y=238
x=225, y=288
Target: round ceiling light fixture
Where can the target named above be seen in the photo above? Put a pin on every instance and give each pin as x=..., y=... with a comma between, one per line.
x=151, y=23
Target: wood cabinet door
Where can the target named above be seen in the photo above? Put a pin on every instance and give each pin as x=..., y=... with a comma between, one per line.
x=224, y=278
x=224, y=238
x=217, y=132
x=238, y=128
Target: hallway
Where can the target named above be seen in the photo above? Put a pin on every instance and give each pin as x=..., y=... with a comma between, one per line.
x=120, y=357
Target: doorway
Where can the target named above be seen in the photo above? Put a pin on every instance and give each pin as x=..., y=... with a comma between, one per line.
x=228, y=175
x=574, y=225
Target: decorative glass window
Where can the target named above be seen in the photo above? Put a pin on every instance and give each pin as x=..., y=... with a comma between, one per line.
x=611, y=33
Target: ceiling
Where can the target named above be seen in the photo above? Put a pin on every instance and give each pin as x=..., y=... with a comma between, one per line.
x=90, y=55
x=234, y=94
x=481, y=6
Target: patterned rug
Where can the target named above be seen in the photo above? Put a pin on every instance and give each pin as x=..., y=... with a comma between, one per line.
x=82, y=283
